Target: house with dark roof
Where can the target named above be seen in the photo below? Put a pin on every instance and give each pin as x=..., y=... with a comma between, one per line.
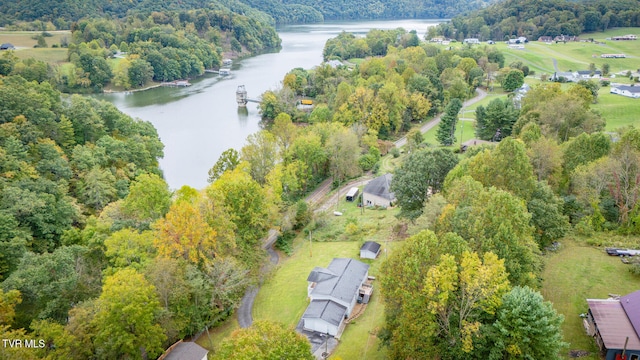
x=378, y=192
x=615, y=325
x=185, y=351
x=334, y=292
x=7, y=46
x=370, y=250
x=626, y=90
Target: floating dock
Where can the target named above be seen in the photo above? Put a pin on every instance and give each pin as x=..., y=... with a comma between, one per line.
x=177, y=83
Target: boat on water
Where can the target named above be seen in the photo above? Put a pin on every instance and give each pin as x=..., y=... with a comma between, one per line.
x=227, y=62
x=224, y=71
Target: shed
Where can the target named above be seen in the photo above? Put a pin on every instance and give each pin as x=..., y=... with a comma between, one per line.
x=611, y=321
x=7, y=46
x=370, y=250
x=378, y=192
x=185, y=351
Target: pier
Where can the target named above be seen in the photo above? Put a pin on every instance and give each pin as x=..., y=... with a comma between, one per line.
x=177, y=83
x=241, y=97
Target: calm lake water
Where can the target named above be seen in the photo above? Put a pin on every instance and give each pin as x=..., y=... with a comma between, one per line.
x=197, y=123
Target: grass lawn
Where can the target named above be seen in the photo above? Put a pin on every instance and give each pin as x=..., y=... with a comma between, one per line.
x=617, y=110
x=577, y=272
x=48, y=55
x=283, y=295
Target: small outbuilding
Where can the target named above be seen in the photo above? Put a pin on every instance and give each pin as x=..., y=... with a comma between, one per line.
x=7, y=46
x=370, y=250
x=185, y=351
x=378, y=192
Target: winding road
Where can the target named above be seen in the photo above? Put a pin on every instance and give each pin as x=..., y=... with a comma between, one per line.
x=319, y=198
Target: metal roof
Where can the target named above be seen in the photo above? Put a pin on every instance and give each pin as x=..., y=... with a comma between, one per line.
x=350, y=274
x=613, y=324
x=327, y=310
x=372, y=246
x=380, y=186
x=631, y=305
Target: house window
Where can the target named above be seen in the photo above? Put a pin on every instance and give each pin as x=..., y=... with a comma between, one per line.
x=634, y=357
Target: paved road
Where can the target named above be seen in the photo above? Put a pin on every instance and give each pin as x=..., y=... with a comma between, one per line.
x=245, y=319
x=430, y=124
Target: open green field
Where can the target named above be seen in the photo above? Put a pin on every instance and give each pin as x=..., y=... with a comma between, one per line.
x=23, y=39
x=24, y=43
x=577, y=272
x=618, y=110
x=577, y=55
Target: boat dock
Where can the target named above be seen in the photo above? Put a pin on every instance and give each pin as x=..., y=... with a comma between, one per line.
x=176, y=83
x=221, y=72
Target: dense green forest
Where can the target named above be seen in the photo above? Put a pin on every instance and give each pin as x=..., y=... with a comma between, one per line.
x=90, y=231
x=532, y=19
x=61, y=14
x=132, y=52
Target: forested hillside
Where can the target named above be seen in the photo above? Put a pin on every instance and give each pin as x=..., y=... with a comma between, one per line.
x=533, y=18
x=62, y=12
x=98, y=258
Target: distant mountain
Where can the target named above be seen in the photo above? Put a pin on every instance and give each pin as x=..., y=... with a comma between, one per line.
x=535, y=18
x=61, y=12
x=373, y=9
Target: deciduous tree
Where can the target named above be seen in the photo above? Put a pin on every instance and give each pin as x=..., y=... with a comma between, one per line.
x=126, y=321
x=423, y=172
x=265, y=340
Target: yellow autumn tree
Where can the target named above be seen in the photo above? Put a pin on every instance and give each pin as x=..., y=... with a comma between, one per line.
x=184, y=232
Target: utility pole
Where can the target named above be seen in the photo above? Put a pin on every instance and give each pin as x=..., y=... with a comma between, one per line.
x=310, y=253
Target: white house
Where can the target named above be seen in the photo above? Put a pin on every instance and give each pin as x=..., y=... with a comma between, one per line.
x=626, y=90
x=586, y=74
x=369, y=250
x=378, y=192
x=334, y=292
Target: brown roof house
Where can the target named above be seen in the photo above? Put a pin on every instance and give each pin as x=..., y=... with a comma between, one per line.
x=378, y=192
x=615, y=325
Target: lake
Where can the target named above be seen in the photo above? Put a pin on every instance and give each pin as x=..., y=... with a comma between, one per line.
x=197, y=123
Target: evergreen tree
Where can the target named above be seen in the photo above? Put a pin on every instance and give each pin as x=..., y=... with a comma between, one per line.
x=447, y=128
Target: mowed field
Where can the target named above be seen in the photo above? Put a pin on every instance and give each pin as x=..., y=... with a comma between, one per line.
x=578, y=272
x=24, y=42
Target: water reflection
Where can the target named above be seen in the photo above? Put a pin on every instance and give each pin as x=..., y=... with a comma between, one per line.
x=199, y=122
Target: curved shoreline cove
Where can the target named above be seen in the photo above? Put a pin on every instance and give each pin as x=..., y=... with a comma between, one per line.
x=199, y=122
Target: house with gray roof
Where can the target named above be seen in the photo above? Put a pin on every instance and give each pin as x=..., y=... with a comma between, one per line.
x=324, y=316
x=626, y=90
x=378, y=192
x=334, y=292
x=185, y=351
